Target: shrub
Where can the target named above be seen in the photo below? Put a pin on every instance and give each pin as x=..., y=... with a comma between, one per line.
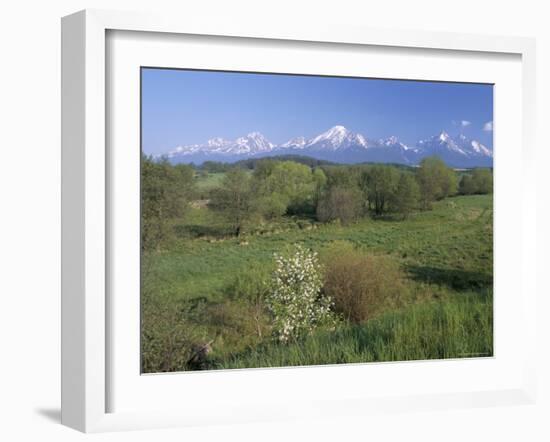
x=237, y=324
x=168, y=338
x=295, y=299
x=361, y=285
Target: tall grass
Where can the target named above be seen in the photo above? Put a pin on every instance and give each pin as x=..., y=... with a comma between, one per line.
x=459, y=328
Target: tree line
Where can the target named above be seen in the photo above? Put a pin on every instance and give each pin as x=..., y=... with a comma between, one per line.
x=275, y=188
x=250, y=163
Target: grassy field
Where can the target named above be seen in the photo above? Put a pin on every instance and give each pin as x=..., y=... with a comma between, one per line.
x=209, y=180
x=199, y=290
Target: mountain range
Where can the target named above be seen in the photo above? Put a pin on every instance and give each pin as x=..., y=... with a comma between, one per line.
x=340, y=145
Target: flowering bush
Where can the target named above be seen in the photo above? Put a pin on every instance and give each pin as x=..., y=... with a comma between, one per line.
x=295, y=300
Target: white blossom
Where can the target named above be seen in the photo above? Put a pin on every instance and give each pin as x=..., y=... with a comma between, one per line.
x=296, y=301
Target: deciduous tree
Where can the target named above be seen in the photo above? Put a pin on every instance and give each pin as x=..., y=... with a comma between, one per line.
x=165, y=193
x=436, y=181
x=234, y=199
x=407, y=194
x=340, y=203
x=380, y=183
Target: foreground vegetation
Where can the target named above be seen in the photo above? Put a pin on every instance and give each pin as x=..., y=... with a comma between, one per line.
x=460, y=327
x=409, y=279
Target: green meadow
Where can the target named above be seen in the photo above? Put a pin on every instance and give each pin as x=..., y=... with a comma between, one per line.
x=204, y=289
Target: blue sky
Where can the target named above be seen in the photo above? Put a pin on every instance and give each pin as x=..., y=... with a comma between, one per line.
x=181, y=107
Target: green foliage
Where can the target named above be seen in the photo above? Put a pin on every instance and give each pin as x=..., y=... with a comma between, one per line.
x=436, y=181
x=319, y=182
x=479, y=182
x=271, y=206
x=234, y=199
x=342, y=176
x=251, y=286
x=457, y=328
x=215, y=167
x=407, y=194
x=380, y=183
x=205, y=294
x=466, y=185
x=483, y=181
x=340, y=203
x=168, y=335
x=252, y=163
x=361, y=285
x=447, y=254
x=165, y=192
x=282, y=187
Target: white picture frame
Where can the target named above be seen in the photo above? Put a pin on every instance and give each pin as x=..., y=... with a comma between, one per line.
x=86, y=204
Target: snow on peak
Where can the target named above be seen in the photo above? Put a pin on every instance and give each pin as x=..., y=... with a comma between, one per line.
x=335, y=134
x=361, y=140
x=217, y=142
x=443, y=144
x=480, y=148
x=338, y=128
x=296, y=143
x=337, y=137
x=393, y=142
x=444, y=136
x=253, y=142
x=338, y=143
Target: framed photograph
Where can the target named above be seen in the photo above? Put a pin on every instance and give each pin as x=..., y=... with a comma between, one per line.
x=263, y=223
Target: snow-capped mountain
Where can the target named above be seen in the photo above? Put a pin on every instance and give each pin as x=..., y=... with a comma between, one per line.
x=457, y=151
x=390, y=150
x=336, y=138
x=340, y=145
x=221, y=149
x=295, y=143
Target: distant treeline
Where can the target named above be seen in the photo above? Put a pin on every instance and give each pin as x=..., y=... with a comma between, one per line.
x=271, y=188
x=250, y=163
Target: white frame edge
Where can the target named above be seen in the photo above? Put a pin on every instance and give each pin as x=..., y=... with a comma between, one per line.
x=83, y=222
x=84, y=382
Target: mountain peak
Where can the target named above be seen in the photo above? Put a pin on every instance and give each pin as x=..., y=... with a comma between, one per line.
x=217, y=142
x=444, y=136
x=335, y=131
x=340, y=145
x=297, y=142
x=390, y=140
x=254, y=142
x=338, y=128
x=334, y=137
x=255, y=135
